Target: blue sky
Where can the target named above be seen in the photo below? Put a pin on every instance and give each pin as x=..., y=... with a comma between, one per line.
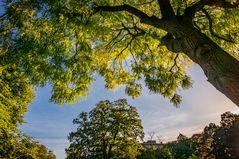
x=50, y=123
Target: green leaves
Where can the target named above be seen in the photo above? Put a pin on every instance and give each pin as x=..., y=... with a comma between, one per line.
x=110, y=130
x=218, y=138
x=17, y=145
x=67, y=43
x=223, y=27
x=176, y=99
x=133, y=89
x=186, y=82
x=16, y=94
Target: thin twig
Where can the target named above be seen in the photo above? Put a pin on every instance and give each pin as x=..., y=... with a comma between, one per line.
x=175, y=63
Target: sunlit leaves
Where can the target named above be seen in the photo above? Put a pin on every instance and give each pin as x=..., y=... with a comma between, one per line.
x=67, y=43
x=186, y=82
x=17, y=145
x=176, y=99
x=110, y=129
x=133, y=89
x=52, y=51
x=15, y=95
x=223, y=24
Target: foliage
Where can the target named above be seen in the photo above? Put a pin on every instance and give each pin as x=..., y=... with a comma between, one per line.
x=165, y=153
x=15, y=95
x=193, y=157
x=110, y=130
x=154, y=153
x=149, y=152
x=18, y=146
x=184, y=147
x=222, y=141
x=66, y=43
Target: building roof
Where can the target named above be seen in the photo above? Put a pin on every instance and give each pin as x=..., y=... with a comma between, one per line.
x=152, y=143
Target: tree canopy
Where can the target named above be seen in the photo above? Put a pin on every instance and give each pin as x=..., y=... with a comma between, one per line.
x=110, y=130
x=16, y=145
x=16, y=94
x=67, y=43
x=221, y=141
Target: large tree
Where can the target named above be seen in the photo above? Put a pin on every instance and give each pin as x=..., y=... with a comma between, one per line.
x=67, y=42
x=110, y=130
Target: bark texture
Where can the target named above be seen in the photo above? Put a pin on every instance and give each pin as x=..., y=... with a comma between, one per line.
x=221, y=69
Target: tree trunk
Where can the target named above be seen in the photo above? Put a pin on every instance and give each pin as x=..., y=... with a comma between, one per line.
x=221, y=69
x=110, y=147
x=104, y=149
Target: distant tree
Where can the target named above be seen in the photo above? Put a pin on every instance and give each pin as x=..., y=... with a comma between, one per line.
x=160, y=139
x=216, y=142
x=110, y=130
x=165, y=153
x=226, y=138
x=149, y=153
x=183, y=147
x=221, y=141
x=155, y=153
x=205, y=149
x=19, y=146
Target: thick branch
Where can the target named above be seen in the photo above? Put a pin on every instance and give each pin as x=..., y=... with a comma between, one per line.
x=175, y=63
x=166, y=9
x=144, y=18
